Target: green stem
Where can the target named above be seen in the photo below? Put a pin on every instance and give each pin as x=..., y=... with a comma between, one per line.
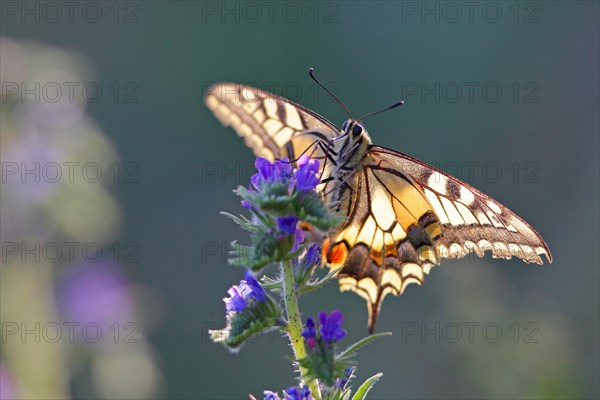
x=294, y=327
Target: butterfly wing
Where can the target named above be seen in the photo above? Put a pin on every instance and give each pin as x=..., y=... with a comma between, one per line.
x=273, y=127
x=406, y=215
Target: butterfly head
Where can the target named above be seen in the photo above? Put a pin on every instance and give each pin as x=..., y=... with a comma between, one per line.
x=353, y=129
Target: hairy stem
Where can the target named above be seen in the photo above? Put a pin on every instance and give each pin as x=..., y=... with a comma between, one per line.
x=294, y=327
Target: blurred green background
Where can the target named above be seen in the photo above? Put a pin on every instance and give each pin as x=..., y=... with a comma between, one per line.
x=109, y=94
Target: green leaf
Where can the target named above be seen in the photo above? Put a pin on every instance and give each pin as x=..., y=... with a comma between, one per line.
x=242, y=221
x=271, y=283
x=350, y=351
x=321, y=363
x=318, y=283
x=362, y=391
x=241, y=326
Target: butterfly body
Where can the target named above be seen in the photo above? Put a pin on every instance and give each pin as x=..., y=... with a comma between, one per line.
x=345, y=155
x=402, y=216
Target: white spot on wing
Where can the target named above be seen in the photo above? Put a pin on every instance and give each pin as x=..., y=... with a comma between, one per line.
x=466, y=196
x=494, y=207
x=437, y=182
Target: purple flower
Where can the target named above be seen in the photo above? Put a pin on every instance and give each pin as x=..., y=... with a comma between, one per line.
x=309, y=332
x=331, y=326
x=342, y=382
x=95, y=292
x=7, y=390
x=312, y=256
x=235, y=302
x=287, y=224
x=296, y=393
x=278, y=171
x=306, y=174
x=254, y=288
x=249, y=291
x=270, y=395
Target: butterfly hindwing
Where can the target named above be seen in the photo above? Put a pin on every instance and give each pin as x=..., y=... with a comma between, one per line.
x=471, y=221
x=406, y=215
x=273, y=127
x=388, y=240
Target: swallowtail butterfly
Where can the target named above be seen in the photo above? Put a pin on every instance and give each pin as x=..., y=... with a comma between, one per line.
x=402, y=215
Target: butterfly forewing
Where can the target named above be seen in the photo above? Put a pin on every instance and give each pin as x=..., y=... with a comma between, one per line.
x=273, y=127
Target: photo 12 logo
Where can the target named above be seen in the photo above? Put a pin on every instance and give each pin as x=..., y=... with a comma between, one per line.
x=70, y=332
x=68, y=172
x=471, y=92
x=69, y=252
x=469, y=332
x=51, y=12
x=471, y=12
x=70, y=92
x=252, y=12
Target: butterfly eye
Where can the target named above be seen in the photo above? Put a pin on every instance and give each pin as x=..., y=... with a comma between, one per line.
x=357, y=130
x=344, y=125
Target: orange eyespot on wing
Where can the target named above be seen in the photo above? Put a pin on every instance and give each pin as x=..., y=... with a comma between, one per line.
x=336, y=256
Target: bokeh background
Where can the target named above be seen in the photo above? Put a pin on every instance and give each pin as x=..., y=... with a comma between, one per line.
x=114, y=174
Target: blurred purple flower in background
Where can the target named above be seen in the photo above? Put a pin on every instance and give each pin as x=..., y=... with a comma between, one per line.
x=6, y=386
x=95, y=292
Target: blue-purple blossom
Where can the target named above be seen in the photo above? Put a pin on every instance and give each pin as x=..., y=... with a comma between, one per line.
x=287, y=224
x=312, y=256
x=296, y=393
x=331, y=326
x=255, y=289
x=235, y=302
x=270, y=395
x=95, y=292
x=7, y=390
x=248, y=291
x=309, y=332
x=298, y=237
x=343, y=381
x=278, y=171
x=306, y=174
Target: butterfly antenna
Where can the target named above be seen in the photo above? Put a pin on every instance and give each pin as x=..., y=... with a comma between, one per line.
x=398, y=104
x=311, y=72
